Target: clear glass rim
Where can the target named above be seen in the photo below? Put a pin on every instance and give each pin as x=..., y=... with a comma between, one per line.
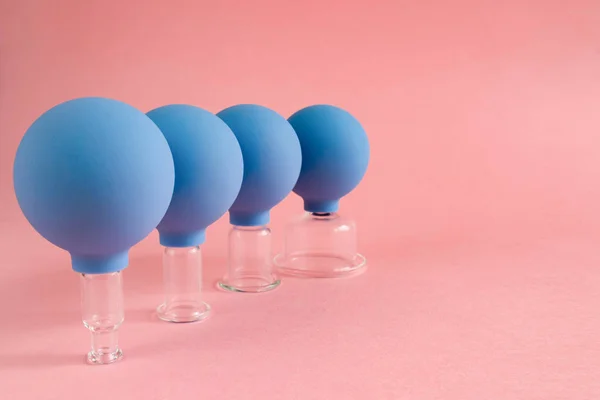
x=355, y=266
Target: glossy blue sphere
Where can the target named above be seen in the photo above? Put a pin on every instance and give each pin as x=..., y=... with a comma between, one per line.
x=94, y=176
x=272, y=160
x=208, y=172
x=335, y=155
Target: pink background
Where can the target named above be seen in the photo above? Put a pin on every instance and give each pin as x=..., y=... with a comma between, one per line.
x=480, y=213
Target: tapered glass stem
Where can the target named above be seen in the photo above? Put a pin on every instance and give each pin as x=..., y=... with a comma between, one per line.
x=103, y=313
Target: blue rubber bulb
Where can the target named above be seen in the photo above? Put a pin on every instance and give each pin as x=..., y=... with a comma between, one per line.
x=94, y=176
x=335, y=155
x=272, y=160
x=208, y=172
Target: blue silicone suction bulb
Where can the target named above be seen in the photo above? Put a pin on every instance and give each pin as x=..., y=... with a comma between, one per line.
x=208, y=176
x=94, y=176
x=272, y=161
x=335, y=156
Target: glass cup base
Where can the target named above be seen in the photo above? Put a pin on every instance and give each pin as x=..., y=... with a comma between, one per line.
x=249, y=284
x=183, y=312
x=320, y=265
x=101, y=358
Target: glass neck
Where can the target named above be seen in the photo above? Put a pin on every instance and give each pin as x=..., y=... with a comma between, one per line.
x=324, y=216
x=249, y=228
x=182, y=250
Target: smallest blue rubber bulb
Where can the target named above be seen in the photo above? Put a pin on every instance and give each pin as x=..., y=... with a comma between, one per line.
x=335, y=155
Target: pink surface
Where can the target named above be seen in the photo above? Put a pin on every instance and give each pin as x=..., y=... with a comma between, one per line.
x=479, y=214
